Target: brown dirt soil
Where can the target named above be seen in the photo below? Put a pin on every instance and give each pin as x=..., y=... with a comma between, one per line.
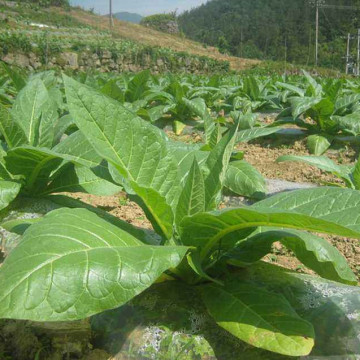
x=118, y=206
x=148, y=36
x=262, y=155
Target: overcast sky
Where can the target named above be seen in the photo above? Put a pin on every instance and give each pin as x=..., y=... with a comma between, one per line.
x=142, y=7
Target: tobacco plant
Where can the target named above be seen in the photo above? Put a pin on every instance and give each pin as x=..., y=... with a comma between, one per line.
x=73, y=264
x=324, y=110
x=37, y=158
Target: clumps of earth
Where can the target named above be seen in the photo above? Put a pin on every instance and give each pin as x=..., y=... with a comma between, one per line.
x=23, y=340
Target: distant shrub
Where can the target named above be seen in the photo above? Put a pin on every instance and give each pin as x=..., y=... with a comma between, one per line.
x=162, y=22
x=46, y=3
x=12, y=41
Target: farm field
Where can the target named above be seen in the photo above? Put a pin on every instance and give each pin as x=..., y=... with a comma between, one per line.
x=162, y=199
x=123, y=196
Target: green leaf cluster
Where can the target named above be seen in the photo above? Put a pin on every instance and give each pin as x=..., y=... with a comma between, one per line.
x=73, y=263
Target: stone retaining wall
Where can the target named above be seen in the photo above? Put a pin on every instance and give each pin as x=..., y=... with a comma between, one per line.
x=107, y=62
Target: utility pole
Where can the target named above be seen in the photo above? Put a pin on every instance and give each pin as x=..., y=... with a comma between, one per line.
x=285, y=70
x=358, y=55
x=317, y=4
x=241, y=42
x=317, y=35
x=347, y=53
x=111, y=15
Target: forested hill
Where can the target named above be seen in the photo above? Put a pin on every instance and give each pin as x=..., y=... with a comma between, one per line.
x=261, y=28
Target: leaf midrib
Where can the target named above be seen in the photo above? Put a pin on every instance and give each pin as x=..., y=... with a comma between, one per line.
x=210, y=244
x=58, y=257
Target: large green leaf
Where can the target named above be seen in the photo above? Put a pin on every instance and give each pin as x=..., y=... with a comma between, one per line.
x=184, y=155
x=137, y=86
x=34, y=164
x=344, y=102
x=356, y=175
x=216, y=166
x=192, y=197
x=199, y=108
x=196, y=106
x=144, y=235
x=314, y=252
x=260, y=318
x=243, y=179
x=8, y=192
x=82, y=179
x=294, y=89
x=37, y=164
x=314, y=88
x=300, y=105
x=251, y=88
x=10, y=129
x=206, y=230
x=77, y=149
x=112, y=90
x=251, y=134
x=45, y=133
x=349, y=123
x=340, y=206
x=18, y=81
x=322, y=111
x=133, y=146
x=62, y=124
x=73, y=264
x=317, y=144
x=28, y=108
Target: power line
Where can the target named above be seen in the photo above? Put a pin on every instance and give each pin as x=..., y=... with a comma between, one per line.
x=320, y=4
x=340, y=7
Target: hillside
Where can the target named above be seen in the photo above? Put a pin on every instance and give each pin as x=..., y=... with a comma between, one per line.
x=18, y=18
x=261, y=28
x=126, y=16
x=147, y=36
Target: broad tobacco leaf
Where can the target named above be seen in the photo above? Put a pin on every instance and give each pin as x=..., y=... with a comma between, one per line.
x=259, y=317
x=71, y=178
x=28, y=108
x=339, y=206
x=243, y=179
x=12, y=132
x=251, y=134
x=134, y=147
x=206, y=230
x=184, y=155
x=314, y=252
x=216, y=167
x=34, y=164
x=318, y=144
x=300, y=105
x=8, y=192
x=356, y=175
x=73, y=264
x=192, y=197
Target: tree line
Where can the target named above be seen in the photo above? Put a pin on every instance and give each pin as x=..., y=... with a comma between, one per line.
x=274, y=29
